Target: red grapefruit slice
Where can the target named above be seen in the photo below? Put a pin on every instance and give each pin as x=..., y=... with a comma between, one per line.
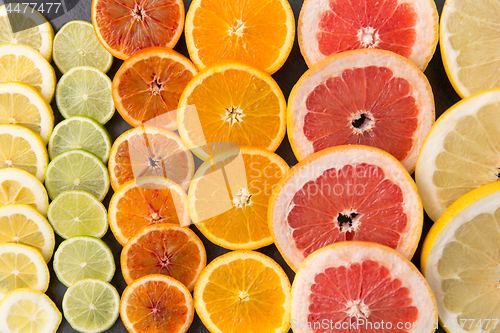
x=126, y=26
x=369, y=97
x=346, y=193
x=406, y=27
x=361, y=287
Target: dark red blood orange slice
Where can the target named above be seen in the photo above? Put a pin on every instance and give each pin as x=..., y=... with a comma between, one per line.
x=126, y=26
x=361, y=287
x=406, y=27
x=346, y=193
x=367, y=97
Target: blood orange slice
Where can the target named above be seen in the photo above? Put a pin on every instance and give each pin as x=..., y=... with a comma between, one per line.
x=407, y=27
x=166, y=249
x=346, y=193
x=368, y=97
x=126, y=26
x=361, y=287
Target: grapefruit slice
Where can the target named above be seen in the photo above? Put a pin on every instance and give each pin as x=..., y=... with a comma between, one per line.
x=346, y=193
x=166, y=249
x=368, y=97
x=361, y=287
x=149, y=151
x=144, y=201
x=406, y=27
x=147, y=87
x=124, y=27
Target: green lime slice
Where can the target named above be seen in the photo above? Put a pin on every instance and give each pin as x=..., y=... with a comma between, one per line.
x=83, y=257
x=78, y=213
x=76, y=44
x=80, y=133
x=91, y=306
x=85, y=91
x=77, y=169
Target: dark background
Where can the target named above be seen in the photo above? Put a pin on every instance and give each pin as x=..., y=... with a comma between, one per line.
x=286, y=77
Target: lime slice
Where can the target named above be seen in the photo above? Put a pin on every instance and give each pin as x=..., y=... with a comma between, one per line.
x=24, y=25
x=85, y=91
x=80, y=133
x=83, y=257
x=29, y=311
x=21, y=63
x=25, y=225
x=76, y=44
x=77, y=169
x=23, y=105
x=78, y=213
x=91, y=306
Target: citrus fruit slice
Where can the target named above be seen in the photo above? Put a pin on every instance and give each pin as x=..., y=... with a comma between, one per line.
x=25, y=225
x=144, y=201
x=363, y=286
x=259, y=32
x=76, y=44
x=467, y=37
x=148, y=151
x=29, y=311
x=80, y=132
x=22, y=266
x=85, y=91
x=147, y=87
x=245, y=285
x=78, y=213
x=406, y=27
x=460, y=259
x=233, y=213
x=20, y=24
x=77, y=169
x=460, y=152
x=156, y=302
x=83, y=257
x=368, y=97
x=124, y=27
x=20, y=187
x=91, y=306
x=249, y=109
x=167, y=249
x=21, y=63
x=347, y=193
x=23, y=149
x=21, y=104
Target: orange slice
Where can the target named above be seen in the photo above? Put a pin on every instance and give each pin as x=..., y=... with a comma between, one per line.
x=156, y=303
x=144, y=201
x=147, y=87
x=228, y=199
x=231, y=102
x=166, y=249
x=244, y=292
x=406, y=27
x=346, y=193
x=369, y=97
x=364, y=287
x=124, y=27
x=148, y=151
x=260, y=32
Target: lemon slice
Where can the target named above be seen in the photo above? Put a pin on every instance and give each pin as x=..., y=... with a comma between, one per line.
x=23, y=149
x=26, y=26
x=21, y=63
x=20, y=187
x=25, y=225
x=22, y=266
x=460, y=259
x=29, y=311
x=23, y=105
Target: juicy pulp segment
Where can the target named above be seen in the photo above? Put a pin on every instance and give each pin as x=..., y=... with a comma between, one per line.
x=20, y=69
x=17, y=152
x=12, y=191
x=16, y=108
